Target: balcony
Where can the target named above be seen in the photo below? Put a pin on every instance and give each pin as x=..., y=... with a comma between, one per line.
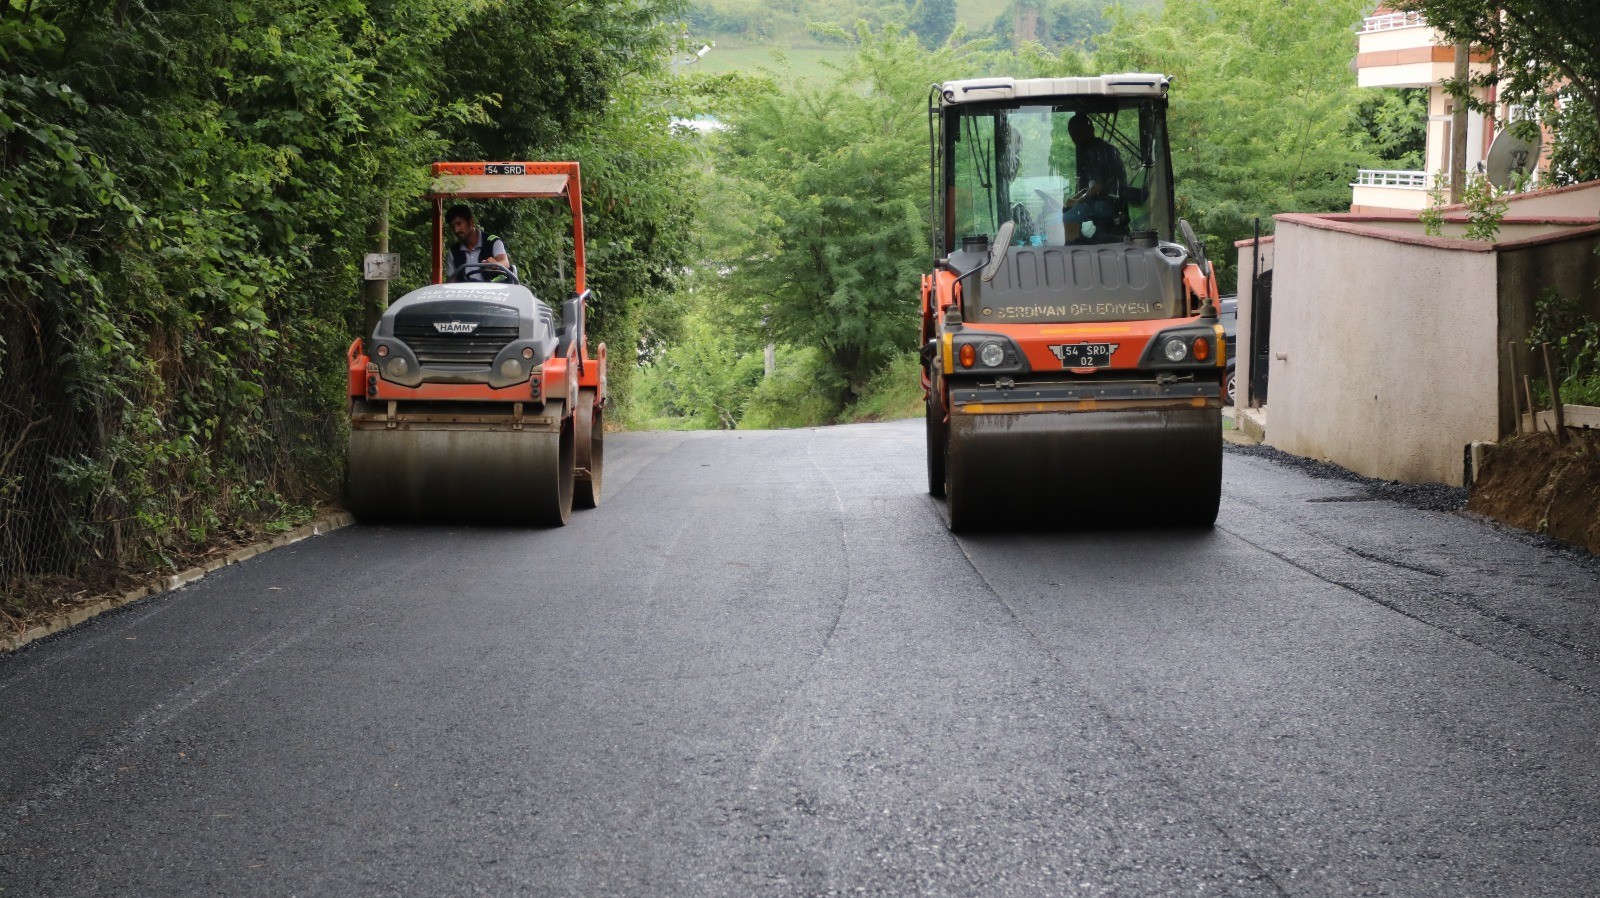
x=1380, y=190
x=1390, y=22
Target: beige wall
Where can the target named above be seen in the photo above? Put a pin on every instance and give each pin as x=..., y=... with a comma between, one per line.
x=1577, y=201
x=1384, y=355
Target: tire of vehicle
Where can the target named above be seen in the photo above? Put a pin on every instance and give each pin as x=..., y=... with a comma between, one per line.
x=1227, y=386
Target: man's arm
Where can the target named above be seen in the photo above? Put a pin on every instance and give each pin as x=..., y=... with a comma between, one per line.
x=498, y=254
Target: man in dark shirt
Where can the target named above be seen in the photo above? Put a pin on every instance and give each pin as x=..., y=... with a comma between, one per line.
x=472, y=246
x=1101, y=178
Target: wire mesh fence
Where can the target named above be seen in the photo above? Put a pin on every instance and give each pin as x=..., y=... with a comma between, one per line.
x=41, y=536
x=96, y=490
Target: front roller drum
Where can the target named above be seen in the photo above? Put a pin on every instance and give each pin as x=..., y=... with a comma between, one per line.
x=1047, y=470
x=424, y=476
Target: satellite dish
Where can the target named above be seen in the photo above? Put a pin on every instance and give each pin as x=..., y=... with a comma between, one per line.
x=1510, y=155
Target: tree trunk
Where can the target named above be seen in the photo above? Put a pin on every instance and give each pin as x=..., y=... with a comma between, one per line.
x=1458, y=127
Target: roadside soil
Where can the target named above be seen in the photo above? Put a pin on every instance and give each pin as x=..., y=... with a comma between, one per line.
x=38, y=602
x=1532, y=483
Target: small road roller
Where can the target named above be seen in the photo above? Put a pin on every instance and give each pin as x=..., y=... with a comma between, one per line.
x=1072, y=358
x=477, y=401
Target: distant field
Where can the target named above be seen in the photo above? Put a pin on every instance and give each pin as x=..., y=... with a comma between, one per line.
x=807, y=63
x=977, y=15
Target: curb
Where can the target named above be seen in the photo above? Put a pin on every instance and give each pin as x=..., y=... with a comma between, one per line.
x=69, y=619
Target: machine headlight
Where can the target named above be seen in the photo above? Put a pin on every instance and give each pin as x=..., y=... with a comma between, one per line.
x=1175, y=349
x=511, y=368
x=383, y=351
x=397, y=367
x=993, y=354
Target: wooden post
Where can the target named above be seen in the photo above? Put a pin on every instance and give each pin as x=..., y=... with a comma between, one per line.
x=1516, y=402
x=1555, y=397
x=1533, y=410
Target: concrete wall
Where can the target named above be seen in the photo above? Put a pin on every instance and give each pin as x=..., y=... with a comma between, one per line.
x=1383, y=346
x=1242, y=354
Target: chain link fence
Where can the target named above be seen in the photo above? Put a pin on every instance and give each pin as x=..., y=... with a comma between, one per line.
x=88, y=501
x=42, y=542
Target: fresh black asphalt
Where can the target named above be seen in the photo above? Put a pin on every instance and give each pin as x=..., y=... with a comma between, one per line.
x=764, y=667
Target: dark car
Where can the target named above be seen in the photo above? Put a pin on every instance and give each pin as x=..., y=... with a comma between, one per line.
x=1228, y=315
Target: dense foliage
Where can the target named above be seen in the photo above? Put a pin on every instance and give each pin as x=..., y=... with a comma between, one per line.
x=1266, y=116
x=190, y=184
x=1546, y=57
x=822, y=191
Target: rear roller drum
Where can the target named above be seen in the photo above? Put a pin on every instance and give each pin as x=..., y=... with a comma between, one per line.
x=590, y=426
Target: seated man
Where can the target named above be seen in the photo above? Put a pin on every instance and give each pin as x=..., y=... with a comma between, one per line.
x=1100, y=174
x=472, y=246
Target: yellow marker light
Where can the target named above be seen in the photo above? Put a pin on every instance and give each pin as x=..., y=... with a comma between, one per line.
x=969, y=356
x=1201, y=349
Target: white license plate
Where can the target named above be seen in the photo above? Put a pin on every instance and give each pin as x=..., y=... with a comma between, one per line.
x=1085, y=355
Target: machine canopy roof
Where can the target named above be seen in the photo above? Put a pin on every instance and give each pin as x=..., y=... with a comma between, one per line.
x=506, y=180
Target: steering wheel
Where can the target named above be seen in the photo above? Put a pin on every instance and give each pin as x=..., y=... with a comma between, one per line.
x=493, y=271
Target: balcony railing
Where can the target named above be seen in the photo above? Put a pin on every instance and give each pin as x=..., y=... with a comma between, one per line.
x=1391, y=21
x=1409, y=180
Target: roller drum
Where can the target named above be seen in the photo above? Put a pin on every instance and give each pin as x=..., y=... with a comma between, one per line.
x=590, y=428
x=462, y=476
x=1159, y=467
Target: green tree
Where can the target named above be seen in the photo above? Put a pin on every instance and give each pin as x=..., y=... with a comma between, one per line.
x=1264, y=116
x=933, y=21
x=827, y=231
x=1546, y=57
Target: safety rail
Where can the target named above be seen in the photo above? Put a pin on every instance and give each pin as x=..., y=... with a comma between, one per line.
x=1391, y=22
x=1410, y=180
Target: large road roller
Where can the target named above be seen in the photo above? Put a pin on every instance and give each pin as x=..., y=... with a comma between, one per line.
x=476, y=401
x=1073, y=361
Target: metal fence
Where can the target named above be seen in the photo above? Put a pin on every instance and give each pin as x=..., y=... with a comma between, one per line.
x=40, y=436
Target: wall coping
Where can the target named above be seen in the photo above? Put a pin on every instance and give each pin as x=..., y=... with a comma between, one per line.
x=1360, y=226
x=1534, y=194
x=1241, y=244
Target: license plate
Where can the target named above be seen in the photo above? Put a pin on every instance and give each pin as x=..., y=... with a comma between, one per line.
x=505, y=170
x=1084, y=355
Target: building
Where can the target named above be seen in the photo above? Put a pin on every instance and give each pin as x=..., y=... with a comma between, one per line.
x=1400, y=50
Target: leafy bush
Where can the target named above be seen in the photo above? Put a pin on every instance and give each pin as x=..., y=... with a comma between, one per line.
x=1574, y=337
x=895, y=392
x=189, y=186
x=803, y=391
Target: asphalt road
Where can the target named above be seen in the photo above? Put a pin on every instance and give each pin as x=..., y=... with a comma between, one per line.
x=763, y=667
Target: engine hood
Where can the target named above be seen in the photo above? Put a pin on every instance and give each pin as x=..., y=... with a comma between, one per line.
x=464, y=333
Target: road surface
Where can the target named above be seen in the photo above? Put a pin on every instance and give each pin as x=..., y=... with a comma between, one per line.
x=764, y=667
